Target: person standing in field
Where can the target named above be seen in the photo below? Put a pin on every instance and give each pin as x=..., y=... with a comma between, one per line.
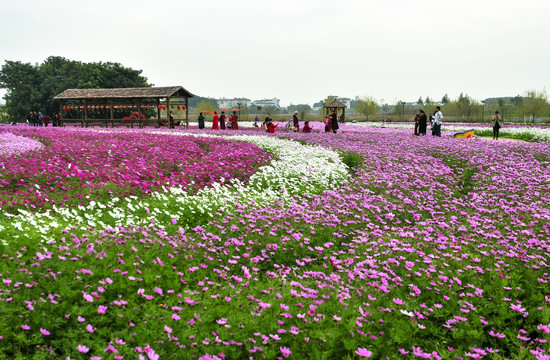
x=327, y=124
x=222, y=121
x=497, y=120
x=295, y=121
x=422, y=123
x=215, y=119
x=233, y=121
x=437, y=121
x=55, y=119
x=416, y=123
x=334, y=122
x=171, y=124
x=200, y=120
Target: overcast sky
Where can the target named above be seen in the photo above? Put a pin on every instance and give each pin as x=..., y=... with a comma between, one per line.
x=299, y=51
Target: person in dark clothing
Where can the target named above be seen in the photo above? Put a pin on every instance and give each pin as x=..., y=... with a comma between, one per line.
x=30, y=119
x=172, y=121
x=56, y=120
x=497, y=120
x=201, y=121
x=416, y=123
x=222, y=121
x=295, y=121
x=422, y=123
x=334, y=122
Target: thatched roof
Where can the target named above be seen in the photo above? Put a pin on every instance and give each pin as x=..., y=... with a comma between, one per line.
x=335, y=104
x=124, y=93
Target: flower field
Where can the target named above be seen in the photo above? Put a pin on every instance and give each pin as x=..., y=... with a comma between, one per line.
x=370, y=243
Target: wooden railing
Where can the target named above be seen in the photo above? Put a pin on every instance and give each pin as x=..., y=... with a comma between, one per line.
x=130, y=123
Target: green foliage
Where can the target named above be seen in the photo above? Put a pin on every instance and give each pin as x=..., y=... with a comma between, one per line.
x=367, y=106
x=535, y=103
x=32, y=87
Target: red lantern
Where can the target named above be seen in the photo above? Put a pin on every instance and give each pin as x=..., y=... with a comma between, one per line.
x=183, y=107
x=163, y=107
x=64, y=108
x=160, y=107
x=179, y=107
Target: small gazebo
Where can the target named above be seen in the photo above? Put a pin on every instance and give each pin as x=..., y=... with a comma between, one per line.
x=76, y=106
x=336, y=105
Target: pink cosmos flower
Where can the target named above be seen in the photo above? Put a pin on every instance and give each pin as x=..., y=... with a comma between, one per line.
x=363, y=352
x=101, y=309
x=499, y=335
x=517, y=308
x=398, y=301
x=44, y=332
x=25, y=327
x=286, y=351
x=83, y=349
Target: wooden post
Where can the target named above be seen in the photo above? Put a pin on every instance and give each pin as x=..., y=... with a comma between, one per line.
x=168, y=113
x=86, y=112
x=187, y=113
x=111, y=114
x=60, y=113
x=158, y=113
x=139, y=113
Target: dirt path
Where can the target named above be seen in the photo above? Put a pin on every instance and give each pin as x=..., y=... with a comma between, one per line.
x=488, y=138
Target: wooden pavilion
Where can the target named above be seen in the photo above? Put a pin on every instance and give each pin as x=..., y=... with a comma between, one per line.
x=336, y=105
x=124, y=106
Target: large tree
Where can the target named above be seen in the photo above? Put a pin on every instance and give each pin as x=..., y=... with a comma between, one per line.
x=534, y=104
x=367, y=106
x=32, y=87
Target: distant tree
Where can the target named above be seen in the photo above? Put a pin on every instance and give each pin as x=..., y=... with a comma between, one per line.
x=420, y=101
x=517, y=100
x=465, y=106
x=445, y=99
x=206, y=105
x=367, y=106
x=501, y=103
x=535, y=103
x=428, y=100
x=269, y=110
x=32, y=87
x=20, y=80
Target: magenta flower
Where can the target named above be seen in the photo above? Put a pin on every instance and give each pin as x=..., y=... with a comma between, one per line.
x=285, y=351
x=101, y=309
x=83, y=349
x=517, y=308
x=44, y=332
x=363, y=352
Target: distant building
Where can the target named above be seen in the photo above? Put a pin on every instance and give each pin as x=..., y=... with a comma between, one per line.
x=233, y=103
x=267, y=102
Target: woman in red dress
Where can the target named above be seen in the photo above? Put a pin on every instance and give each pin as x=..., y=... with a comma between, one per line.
x=215, y=119
x=233, y=121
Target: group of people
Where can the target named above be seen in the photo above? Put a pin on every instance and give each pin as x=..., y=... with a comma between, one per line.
x=39, y=119
x=421, y=122
x=221, y=122
x=331, y=123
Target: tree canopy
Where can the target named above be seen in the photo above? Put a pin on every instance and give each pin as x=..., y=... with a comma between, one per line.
x=366, y=106
x=32, y=87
